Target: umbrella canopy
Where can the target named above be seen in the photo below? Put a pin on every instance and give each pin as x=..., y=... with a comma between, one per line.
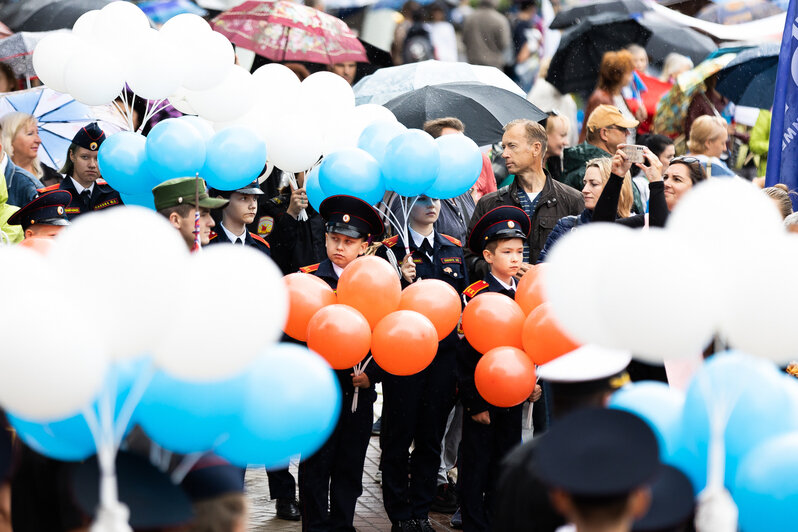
x=388, y=83
x=672, y=108
x=159, y=11
x=574, y=67
x=46, y=15
x=738, y=11
x=17, y=51
x=574, y=15
x=59, y=117
x=750, y=79
x=483, y=109
x=284, y=31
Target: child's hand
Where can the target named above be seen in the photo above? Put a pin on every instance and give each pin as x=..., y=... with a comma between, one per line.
x=360, y=381
x=482, y=417
x=536, y=393
x=409, y=268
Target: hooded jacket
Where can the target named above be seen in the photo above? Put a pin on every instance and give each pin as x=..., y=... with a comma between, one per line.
x=14, y=233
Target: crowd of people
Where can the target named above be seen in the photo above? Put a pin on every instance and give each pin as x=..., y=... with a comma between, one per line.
x=560, y=175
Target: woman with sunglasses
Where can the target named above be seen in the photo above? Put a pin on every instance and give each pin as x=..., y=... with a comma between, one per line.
x=666, y=188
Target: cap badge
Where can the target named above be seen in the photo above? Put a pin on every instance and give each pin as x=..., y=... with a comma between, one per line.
x=180, y=199
x=93, y=146
x=346, y=218
x=60, y=210
x=511, y=224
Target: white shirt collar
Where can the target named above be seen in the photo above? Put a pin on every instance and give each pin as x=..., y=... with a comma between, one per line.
x=337, y=269
x=3, y=163
x=233, y=238
x=80, y=188
x=506, y=286
x=418, y=238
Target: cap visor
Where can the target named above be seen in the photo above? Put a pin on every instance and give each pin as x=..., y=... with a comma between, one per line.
x=345, y=230
x=213, y=203
x=254, y=191
x=54, y=221
x=628, y=123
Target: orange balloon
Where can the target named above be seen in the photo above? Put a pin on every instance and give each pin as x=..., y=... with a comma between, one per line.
x=529, y=292
x=436, y=300
x=505, y=376
x=307, y=294
x=404, y=342
x=544, y=340
x=40, y=245
x=340, y=334
x=371, y=285
x=493, y=320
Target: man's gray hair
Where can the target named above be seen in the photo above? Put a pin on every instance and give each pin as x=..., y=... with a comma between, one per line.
x=534, y=131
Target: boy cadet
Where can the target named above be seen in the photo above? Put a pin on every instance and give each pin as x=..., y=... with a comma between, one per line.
x=337, y=468
x=489, y=432
x=83, y=180
x=45, y=216
x=416, y=407
x=236, y=215
x=176, y=199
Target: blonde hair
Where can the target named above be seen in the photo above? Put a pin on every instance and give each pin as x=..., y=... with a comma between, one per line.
x=675, y=63
x=10, y=125
x=554, y=120
x=625, y=202
x=220, y=514
x=705, y=128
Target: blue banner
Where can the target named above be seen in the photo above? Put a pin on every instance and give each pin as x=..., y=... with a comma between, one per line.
x=783, y=149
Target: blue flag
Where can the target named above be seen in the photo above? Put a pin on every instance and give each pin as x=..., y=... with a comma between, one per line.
x=783, y=149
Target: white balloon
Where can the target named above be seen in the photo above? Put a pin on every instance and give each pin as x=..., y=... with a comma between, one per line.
x=135, y=260
x=323, y=92
x=278, y=89
x=369, y=113
x=204, y=127
x=342, y=129
x=205, y=56
x=51, y=56
x=761, y=305
x=154, y=72
x=84, y=26
x=45, y=374
x=193, y=350
x=293, y=144
x=119, y=27
x=94, y=79
x=179, y=101
x=228, y=100
x=184, y=25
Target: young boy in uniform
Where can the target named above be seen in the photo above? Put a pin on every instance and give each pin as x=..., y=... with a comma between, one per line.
x=175, y=199
x=45, y=216
x=236, y=215
x=416, y=407
x=337, y=468
x=489, y=432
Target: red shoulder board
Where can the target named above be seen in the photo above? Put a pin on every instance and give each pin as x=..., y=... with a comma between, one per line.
x=391, y=242
x=474, y=289
x=48, y=189
x=309, y=269
x=101, y=181
x=213, y=235
x=452, y=239
x=259, y=239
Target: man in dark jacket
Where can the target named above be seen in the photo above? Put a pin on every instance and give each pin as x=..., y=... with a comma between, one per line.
x=543, y=199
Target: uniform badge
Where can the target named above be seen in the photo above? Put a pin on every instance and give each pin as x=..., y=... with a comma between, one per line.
x=93, y=146
x=346, y=218
x=447, y=270
x=60, y=210
x=510, y=224
x=265, y=225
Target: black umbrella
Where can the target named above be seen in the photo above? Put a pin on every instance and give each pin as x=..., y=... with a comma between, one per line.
x=668, y=36
x=378, y=58
x=46, y=15
x=750, y=78
x=484, y=109
x=575, y=65
x=574, y=15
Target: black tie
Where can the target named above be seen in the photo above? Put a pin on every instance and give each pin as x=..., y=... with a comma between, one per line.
x=85, y=197
x=426, y=248
x=240, y=240
x=509, y=292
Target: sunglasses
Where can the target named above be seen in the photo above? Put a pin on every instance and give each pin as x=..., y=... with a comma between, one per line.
x=623, y=130
x=685, y=159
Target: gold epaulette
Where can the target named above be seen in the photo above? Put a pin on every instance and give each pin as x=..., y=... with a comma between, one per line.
x=309, y=269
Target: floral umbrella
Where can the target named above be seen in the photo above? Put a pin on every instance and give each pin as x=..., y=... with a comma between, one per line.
x=284, y=31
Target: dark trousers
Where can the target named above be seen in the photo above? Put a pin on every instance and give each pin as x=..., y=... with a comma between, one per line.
x=415, y=409
x=281, y=484
x=481, y=451
x=337, y=469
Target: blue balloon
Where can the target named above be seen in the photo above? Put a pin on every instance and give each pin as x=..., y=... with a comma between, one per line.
x=313, y=188
x=411, y=163
x=291, y=406
x=375, y=138
x=659, y=406
x=234, y=158
x=353, y=172
x=461, y=164
x=123, y=163
x=202, y=126
x=766, y=486
x=175, y=149
x=69, y=440
x=145, y=199
x=187, y=417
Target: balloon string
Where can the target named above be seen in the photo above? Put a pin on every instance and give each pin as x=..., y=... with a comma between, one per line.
x=155, y=108
x=128, y=113
x=358, y=370
x=131, y=401
x=188, y=462
x=123, y=112
x=302, y=216
x=391, y=218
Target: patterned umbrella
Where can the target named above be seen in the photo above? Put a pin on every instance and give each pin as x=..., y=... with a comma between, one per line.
x=59, y=117
x=283, y=31
x=738, y=11
x=17, y=51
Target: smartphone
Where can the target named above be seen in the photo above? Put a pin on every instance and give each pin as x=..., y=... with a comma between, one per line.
x=634, y=153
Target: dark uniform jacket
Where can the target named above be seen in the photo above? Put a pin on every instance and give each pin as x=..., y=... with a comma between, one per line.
x=325, y=271
x=554, y=202
x=250, y=239
x=102, y=197
x=468, y=357
x=293, y=243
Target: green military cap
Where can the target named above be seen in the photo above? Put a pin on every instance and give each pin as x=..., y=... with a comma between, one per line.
x=181, y=191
